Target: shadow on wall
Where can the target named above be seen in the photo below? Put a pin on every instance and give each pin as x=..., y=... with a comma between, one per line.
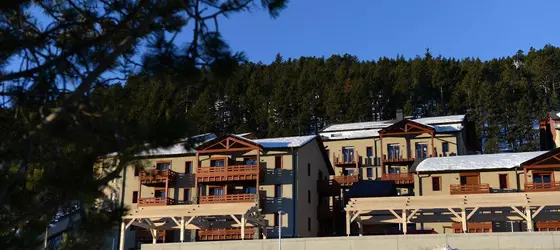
x=272, y=205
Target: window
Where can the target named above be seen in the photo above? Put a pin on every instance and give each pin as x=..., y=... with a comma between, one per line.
x=250, y=161
x=503, y=181
x=135, y=197
x=421, y=150
x=308, y=169
x=217, y=191
x=445, y=147
x=277, y=221
x=277, y=191
x=542, y=177
x=136, y=170
x=159, y=193
x=369, y=154
x=278, y=162
x=369, y=172
x=348, y=154
x=436, y=183
x=308, y=224
x=188, y=167
x=393, y=151
x=308, y=196
x=186, y=195
x=250, y=190
x=218, y=163
x=470, y=178
x=163, y=165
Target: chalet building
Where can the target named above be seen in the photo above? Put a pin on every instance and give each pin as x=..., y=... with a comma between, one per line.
x=230, y=187
x=504, y=192
x=385, y=150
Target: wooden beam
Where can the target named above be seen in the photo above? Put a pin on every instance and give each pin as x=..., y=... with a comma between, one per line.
x=519, y=212
x=529, y=219
x=149, y=222
x=235, y=219
x=472, y=213
x=395, y=214
x=189, y=221
x=538, y=211
x=412, y=214
x=129, y=224
x=175, y=220
x=182, y=231
x=348, y=223
x=464, y=220
x=122, y=239
x=454, y=213
x=404, y=227
x=355, y=216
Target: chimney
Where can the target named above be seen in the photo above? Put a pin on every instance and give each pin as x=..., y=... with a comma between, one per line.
x=399, y=115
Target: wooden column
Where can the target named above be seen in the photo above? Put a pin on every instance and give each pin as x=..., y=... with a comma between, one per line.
x=464, y=220
x=166, y=189
x=404, y=220
x=196, y=166
x=258, y=176
x=360, y=228
x=382, y=156
x=347, y=223
x=433, y=147
x=121, y=241
x=529, y=219
x=243, y=227
x=182, y=236
x=139, y=193
x=154, y=236
x=525, y=176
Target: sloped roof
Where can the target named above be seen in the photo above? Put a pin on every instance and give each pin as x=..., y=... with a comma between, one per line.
x=285, y=142
x=355, y=134
x=358, y=126
x=476, y=162
x=441, y=119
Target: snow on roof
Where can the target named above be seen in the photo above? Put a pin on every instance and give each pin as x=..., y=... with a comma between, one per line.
x=285, y=142
x=243, y=134
x=342, y=135
x=453, y=127
x=358, y=126
x=476, y=162
x=440, y=119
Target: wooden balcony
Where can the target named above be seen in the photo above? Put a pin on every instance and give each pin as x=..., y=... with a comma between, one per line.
x=397, y=159
x=156, y=201
x=157, y=177
x=473, y=227
x=542, y=186
x=469, y=189
x=328, y=187
x=228, y=198
x=548, y=226
x=399, y=178
x=229, y=173
x=346, y=180
x=346, y=159
x=224, y=234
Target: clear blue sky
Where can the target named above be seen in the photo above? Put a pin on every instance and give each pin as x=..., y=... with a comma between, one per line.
x=370, y=29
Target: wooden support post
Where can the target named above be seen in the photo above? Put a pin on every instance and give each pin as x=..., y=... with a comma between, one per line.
x=196, y=188
x=529, y=219
x=464, y=220
x=139, y=193
x=433, y=147
x=403, y=218
x=243, y=227
x=360, y=228
x=525, y=177
x=382, y=156
x=348, y=223
x=154, y=236
x=121, y=241
x=182, y=228
x=259, y=174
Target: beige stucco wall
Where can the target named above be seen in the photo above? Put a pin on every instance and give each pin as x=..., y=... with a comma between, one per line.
x=423, y=182
x=177, y=164
x=312, y=155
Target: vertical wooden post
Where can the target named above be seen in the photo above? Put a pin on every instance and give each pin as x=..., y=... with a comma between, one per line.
x=154, y=236
x=433, y=147
x=404, y=220
x=242, y=227
x=166, y=190
x=525, y=177
x=464, y=220
x=257, y=193
x=182, y=229
x=529, y=219
x=196, y=166
x=347, y=223
x=382, y=157
x=121, y=241
x=360, y=228
x=139, y=193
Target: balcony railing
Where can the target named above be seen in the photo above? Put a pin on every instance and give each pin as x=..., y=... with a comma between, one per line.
x=349, y=158
x=542, y=186
x=224, y=234
x=156, y=201
x=228, y=198
x=397, y=159
x=229, y=173
x=399, y=178
x=469, y=189
x=346, y=180
x=155, y=176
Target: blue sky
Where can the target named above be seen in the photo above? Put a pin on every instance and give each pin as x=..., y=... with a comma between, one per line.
x=370, y=29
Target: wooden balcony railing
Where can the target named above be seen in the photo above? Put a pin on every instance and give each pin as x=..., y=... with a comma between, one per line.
x=469, y=189
x=229, y=173
x=542, y=186
x=399, y=178
x=546, y=226
x=156, y=201
x=228, y=198
x=155, y=176
x=397, y=159
x=346, y=180
x=473, y=227
x=348, y=159
x=224, y=234
x=328, y=187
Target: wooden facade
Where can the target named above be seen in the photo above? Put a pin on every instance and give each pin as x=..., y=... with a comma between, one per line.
x=399, y=178
x=215, y=234
x=469, y=188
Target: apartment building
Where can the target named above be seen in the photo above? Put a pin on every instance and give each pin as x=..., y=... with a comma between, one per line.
x=476, y=193
x=229, y=187
x=385, y=150
x=549, y=131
